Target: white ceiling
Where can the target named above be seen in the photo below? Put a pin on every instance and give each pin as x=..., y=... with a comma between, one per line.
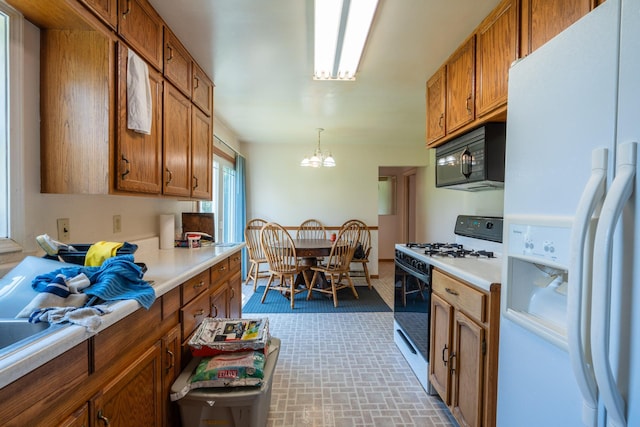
x=260, y=55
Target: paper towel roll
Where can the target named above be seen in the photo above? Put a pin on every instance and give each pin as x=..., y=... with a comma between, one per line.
x=167, y=227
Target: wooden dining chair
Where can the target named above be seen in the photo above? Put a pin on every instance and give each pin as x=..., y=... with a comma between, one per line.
x=311, y=229
x=280, y=251
x=338, y=263
x=361, y=255
x=254, y=249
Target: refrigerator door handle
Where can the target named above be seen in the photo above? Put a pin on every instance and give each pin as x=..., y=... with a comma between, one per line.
x=620, y=191
x=580, y=286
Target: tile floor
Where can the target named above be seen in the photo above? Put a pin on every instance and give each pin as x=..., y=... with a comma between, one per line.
x=339, y=370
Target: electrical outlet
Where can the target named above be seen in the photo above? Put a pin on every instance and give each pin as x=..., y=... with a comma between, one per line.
x=64, y=230
x=117, y=224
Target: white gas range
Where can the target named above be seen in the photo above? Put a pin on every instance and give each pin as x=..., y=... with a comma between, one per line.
x=475, y=257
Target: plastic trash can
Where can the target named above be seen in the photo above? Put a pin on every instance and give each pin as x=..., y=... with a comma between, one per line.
x=227, y=407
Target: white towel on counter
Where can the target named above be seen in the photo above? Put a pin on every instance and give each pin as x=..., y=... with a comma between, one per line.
x=89, y=317
x=60, y=292
x=139, y=104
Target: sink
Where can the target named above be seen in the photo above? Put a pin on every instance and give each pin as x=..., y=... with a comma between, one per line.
x=15, y=333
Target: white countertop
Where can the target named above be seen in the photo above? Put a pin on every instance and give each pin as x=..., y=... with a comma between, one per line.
x=480, y=272
x=167, y=268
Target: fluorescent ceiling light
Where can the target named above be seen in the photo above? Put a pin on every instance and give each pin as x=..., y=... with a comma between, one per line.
x=341, y=29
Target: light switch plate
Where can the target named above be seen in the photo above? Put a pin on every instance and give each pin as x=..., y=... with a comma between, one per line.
x=64, y=231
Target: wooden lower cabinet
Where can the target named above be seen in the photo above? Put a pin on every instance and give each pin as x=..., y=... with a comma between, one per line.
x=464, y=348
x=122, y=375
x=133, y=398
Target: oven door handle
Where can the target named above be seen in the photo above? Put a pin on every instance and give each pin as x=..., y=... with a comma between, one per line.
x=425, y=277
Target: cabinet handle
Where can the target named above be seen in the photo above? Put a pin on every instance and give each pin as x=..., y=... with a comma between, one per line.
x=215, y=310
x=170, y=53
x=198, y=313
x=170, y=176
x=197, y=82
x=440, y=120
x=452, y=368
x=233, y=293
x=126, y=162
x=468, y=103
x=126, y=12
x=104, y=419
x=451, y=291
x=172, y=359
x=444, y=360
x=195, y=179
x=198, y=285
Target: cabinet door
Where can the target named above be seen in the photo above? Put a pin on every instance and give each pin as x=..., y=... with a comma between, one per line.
x=544, y=19
x=496, y=49
x=202, y=92
x=436, y=104
x=201, y=154
x=170, y=370
x=138, y=156
x=177, y=143
x=141, y=26
x=218, y=300
x=235, y=296
x=106, y=10
x=441, y=351
x=461, y=86
x=177, y=63
x=467, y=371
x=133, y=398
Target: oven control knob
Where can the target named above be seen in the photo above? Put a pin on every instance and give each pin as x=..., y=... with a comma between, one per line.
x=489, y=225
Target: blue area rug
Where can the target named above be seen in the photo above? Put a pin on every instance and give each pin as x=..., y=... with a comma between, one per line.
x=369, y=301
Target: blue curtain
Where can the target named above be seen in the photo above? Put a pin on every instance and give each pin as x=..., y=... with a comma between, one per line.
x=241, y=210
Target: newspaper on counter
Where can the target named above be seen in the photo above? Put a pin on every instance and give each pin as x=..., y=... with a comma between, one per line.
x=215, y=336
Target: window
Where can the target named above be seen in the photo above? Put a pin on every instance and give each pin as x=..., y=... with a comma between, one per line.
x=223, y=203
x=4, y=124
x=11, y=202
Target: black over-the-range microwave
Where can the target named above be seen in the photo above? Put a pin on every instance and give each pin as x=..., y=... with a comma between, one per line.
x=473, y=161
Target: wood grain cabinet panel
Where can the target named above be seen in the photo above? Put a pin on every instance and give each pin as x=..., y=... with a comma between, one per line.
x=460, y=104
x=201, y=154
x=496, y=49
x=193, y=313
x=177, y=63
x=134, y=397
x=141, y=26
x=202, y=92
x=106, y=10
x=79, y=418
x=176, y=143
x=544, y=19
x=171, y=368
x=195, y=286
x=441, y=343
x=138, y=155
x=436, y=105
x=76, y=125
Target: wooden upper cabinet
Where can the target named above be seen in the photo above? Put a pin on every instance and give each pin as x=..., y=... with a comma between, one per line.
x=496, y=49
x=176, y=143
x=141, y=26
x=202, y=93
x=76, y=106
x=106, y=10
x=436, y=105
x=460, y=73
x=177, y=63
x=201, y=154
x=544, y=19
x=138, y=156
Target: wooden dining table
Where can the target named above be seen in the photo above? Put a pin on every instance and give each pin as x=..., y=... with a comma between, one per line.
x=309, y=250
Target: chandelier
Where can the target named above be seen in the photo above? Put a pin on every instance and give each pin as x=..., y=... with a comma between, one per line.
x=319, y=158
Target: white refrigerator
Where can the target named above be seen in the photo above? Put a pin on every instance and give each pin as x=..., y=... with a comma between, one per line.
x=570, y=324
